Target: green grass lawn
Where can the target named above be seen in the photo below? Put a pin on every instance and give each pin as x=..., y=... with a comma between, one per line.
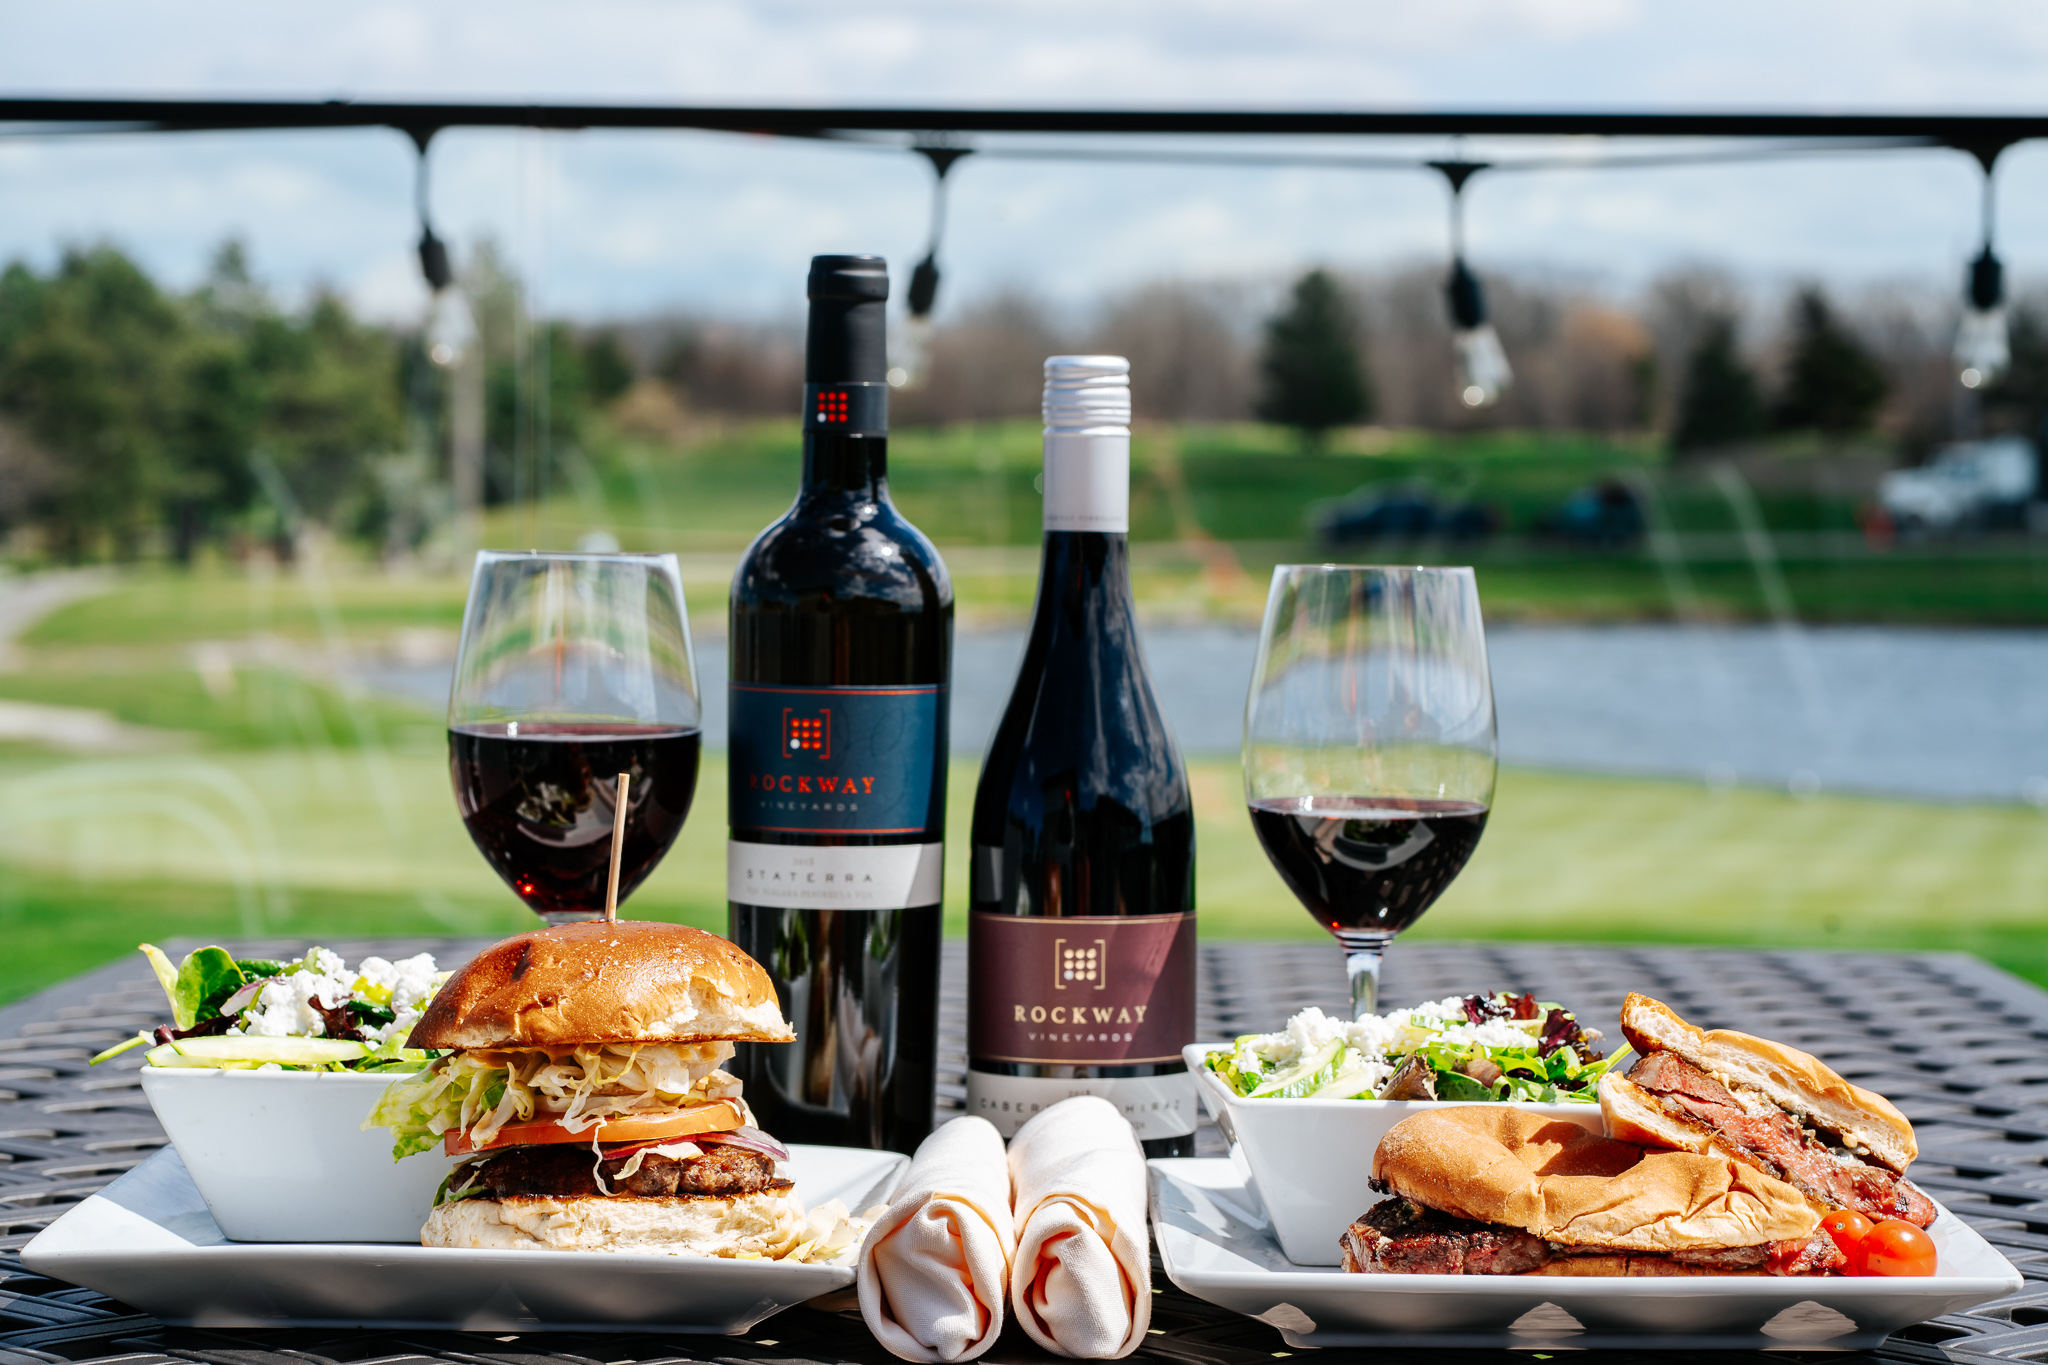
x=98, y=855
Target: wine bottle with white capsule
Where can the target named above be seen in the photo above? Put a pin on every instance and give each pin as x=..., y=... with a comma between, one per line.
x=1081, y=932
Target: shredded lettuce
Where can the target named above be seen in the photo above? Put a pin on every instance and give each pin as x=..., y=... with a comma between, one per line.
x=480, y=1092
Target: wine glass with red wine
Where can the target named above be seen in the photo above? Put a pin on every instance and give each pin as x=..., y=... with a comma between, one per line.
x=1369, y=746
x=573, y=668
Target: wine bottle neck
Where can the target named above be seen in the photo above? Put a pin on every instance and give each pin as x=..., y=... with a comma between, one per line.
x=837, y=463
x=1084, y=574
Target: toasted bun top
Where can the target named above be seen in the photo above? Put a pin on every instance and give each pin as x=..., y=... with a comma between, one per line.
x=1789, y=1078
x=634, y=981
x=1495, y=1163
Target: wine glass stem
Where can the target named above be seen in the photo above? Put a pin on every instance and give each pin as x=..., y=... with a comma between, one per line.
x=1362, y=957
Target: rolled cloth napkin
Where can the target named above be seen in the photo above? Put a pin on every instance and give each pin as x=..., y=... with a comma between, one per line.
x=934, y=1268
x=1081, y=1283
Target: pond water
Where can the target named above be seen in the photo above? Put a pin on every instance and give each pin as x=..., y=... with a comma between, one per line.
x=1944, y=714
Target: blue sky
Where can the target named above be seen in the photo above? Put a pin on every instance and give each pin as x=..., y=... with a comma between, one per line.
x=618, y=224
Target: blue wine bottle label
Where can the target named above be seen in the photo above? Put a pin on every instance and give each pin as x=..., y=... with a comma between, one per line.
x=835, y=760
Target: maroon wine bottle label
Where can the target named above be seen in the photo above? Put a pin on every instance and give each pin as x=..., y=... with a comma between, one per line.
x=1082, y=991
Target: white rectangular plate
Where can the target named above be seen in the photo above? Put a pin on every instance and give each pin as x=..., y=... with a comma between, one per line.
x=1216, y=1243
x=148, y=1240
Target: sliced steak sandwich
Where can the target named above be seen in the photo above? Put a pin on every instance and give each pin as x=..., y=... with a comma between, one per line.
x=1496, y=1190
x=1729, y=1094
x=584, y=1085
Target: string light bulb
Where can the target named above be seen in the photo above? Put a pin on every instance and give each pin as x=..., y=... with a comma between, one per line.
x=1483, y=370
x=1983, y=350
x=913, y=348
x=450, y=328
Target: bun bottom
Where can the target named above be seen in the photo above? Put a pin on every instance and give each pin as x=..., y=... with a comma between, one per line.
x=769, y=1223
x=1611, y=1267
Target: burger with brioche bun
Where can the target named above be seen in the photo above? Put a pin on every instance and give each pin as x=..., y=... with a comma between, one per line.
x=583, y=1084
x=1497, y=1190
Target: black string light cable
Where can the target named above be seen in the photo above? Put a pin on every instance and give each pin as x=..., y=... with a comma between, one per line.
x=197, y=115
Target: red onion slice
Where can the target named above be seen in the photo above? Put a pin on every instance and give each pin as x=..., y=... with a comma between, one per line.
x=753, y=1139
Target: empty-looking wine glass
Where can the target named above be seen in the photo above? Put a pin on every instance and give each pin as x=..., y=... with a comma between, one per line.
x=1369, y=746
x=573, y=669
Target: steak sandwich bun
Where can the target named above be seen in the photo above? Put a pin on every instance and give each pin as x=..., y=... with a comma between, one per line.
x=1496, y=1190
x=584, y=1085
x=1728, y=1094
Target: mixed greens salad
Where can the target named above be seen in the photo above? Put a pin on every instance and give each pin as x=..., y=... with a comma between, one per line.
x=1498, y=1046
x=310, y=1014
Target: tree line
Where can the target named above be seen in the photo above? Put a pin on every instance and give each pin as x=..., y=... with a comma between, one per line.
x=1695, y=359
x=137, y=419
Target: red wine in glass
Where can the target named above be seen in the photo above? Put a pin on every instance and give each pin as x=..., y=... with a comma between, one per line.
x=1369, y=750
x=537, y=797
x=1367, y=863
x=574, y=670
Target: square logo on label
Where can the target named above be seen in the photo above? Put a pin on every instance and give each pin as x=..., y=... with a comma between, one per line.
x=832, y=407
x=1080, y=964
x=807, y=734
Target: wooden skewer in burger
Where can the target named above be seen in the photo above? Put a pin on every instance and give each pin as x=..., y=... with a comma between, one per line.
x=585, y=1080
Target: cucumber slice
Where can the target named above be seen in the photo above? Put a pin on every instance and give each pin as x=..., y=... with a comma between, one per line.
x=284, y=1051
x=1309, y=1065
x=1345, y=1085
x=167, y=1055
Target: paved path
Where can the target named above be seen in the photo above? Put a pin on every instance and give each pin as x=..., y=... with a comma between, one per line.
x=27, y=598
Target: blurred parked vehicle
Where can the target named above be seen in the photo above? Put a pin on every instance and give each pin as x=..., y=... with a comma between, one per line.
x=1968, y=486
x=1405, y=512
x=1605, y=516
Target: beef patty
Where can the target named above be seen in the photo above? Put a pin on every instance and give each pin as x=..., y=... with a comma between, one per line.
x=1400, y=1237
x=565, y=1171
x=1775, y=1142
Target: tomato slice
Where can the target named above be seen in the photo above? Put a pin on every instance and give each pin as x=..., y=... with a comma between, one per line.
x=716, y=1117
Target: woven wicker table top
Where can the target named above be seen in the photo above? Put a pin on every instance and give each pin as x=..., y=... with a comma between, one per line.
x=1959, y=1045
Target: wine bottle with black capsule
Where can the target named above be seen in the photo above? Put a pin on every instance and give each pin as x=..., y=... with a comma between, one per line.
x=842, y=640
x=1081, y=931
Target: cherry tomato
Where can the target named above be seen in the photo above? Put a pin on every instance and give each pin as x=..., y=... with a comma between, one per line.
x=1848, y=1228
x=1893, y=1247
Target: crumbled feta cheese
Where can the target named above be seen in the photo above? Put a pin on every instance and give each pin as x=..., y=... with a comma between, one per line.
x=1392, y=1034
x=411, y=981
x=283, y=1007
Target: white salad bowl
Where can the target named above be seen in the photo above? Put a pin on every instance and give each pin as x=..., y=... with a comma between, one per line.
x=282, y=1156
x=1308, y=1161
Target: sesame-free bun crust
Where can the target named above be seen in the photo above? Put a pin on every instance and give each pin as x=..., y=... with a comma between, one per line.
x=1633, y=1115
x=633, y=981
x=1495, y=1163
x=1793, y=1080
x=769, y=1223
